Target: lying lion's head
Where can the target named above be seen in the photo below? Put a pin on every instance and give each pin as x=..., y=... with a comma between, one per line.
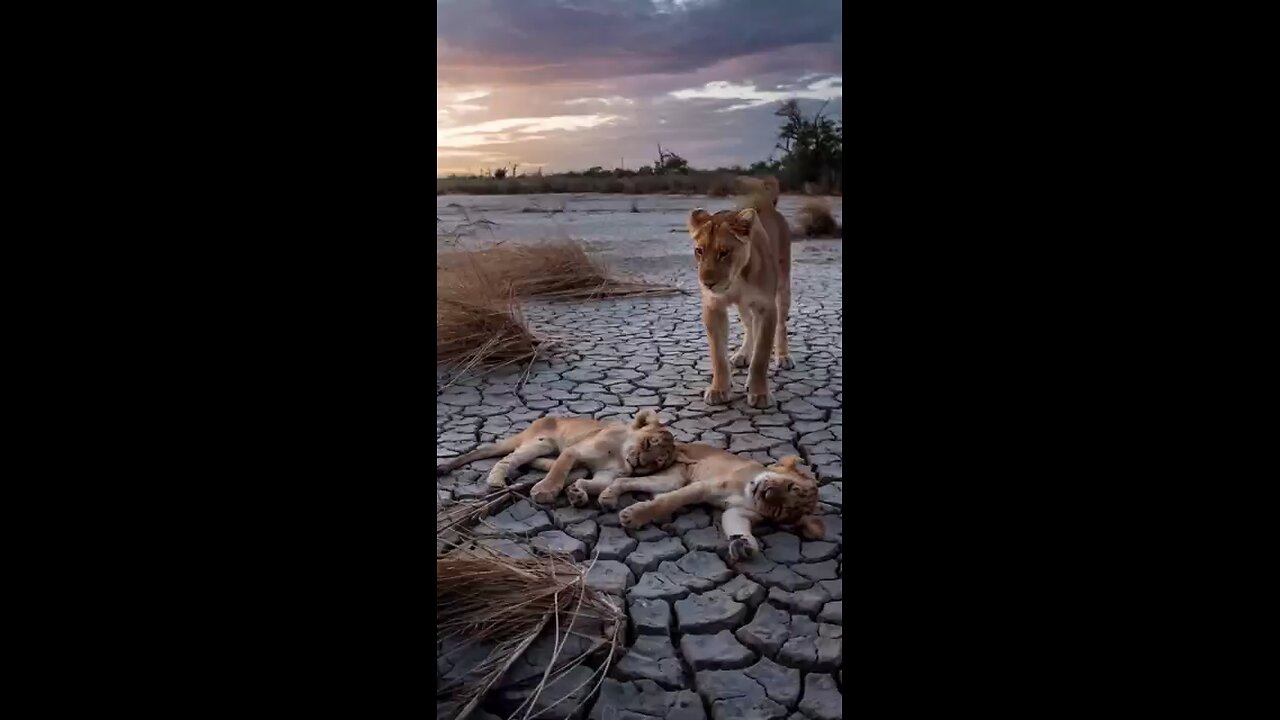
x=787, y=496
x=720, y=245
x=649, y=447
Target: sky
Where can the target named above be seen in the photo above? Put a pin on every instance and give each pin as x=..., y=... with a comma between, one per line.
x=571, y=84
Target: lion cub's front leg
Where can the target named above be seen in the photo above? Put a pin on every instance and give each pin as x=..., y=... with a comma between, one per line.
x=783, y=304
x=580, y=492
x=658, y=483
x=661, y=506
x=742, y=356
x=736, y=524
x=763, y=326
x=548, y=488
x=716, y=320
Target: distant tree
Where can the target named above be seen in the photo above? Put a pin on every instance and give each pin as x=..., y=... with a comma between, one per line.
x=500, y=173
x=812, y=147
x=668, y=162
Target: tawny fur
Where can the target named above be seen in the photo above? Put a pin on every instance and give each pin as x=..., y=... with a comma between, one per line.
x=744, y=259
x=607, y=449
x=745, y=490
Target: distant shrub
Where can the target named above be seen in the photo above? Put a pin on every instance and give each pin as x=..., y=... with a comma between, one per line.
x=815, y=220
x=721, y=186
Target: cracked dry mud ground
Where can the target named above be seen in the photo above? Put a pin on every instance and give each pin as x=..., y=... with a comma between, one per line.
x=763, y=639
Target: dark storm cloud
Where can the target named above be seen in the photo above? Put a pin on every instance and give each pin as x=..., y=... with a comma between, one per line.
x=534, y=41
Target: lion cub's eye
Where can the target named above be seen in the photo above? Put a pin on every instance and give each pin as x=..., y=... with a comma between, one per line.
x=724, y=254
x=697, y=252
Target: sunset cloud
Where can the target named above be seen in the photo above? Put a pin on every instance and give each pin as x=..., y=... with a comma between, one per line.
x=826, y=89
x=579, y=83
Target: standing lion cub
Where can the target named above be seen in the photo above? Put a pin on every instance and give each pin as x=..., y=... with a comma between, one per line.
x=744, y=259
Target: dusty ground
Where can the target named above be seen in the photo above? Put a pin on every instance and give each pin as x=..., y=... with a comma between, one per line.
x=760, y=640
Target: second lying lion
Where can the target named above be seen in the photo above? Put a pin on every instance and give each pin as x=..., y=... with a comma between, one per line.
x=745, y=490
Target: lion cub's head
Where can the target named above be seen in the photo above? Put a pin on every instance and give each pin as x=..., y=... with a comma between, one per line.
x=787, y=496
x=720, y=245
x=649, y=447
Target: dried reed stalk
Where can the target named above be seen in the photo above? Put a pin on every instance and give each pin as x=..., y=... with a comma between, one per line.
x=483, y=596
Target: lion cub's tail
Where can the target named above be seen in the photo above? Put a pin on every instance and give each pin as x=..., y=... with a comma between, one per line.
x=762, y=192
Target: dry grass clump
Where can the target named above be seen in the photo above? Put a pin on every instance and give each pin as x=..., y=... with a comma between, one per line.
x=478, y=319
x=477, y=323
x=484, y=598
x=557, y=270
x=815, y=220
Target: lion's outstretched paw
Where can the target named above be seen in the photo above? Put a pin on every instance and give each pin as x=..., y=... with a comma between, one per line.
x=740, y=548
x=578, y=497
x=543, y=494
x=608, y=498
x=715, y=397
x=632, y=517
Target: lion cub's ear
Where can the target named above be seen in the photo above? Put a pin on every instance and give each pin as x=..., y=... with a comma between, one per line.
x=740, y=222
x=812, y=527
x=646, y=417
x=697, y=219
x=788, y=464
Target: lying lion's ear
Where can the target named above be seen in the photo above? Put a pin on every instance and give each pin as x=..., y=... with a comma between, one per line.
x=789, y=462
x=812, y=527
x=645, y=417
x=740, y=222
x=697, y=219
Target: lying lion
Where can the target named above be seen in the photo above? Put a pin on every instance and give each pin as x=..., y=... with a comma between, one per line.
x=747, y=491
x=607, y=449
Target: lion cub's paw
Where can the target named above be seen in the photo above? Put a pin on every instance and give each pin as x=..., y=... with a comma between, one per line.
x=740, y=548
x=632, y=517
x=578, y=497
x=739, y=359
x=497, y=482
x=759, y=400
x=542, y=494
x=608, y=498
x=715, y=397
x=785, y=362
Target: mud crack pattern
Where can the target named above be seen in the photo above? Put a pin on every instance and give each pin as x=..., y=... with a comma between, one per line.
x=705, y=638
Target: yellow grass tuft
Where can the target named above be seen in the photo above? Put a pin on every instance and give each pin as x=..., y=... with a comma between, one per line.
x=478, y=325
x=554, y=270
